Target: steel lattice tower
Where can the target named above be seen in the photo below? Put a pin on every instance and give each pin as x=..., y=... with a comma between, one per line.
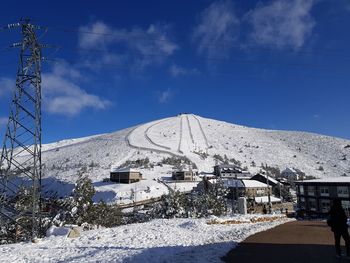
x=20, y=163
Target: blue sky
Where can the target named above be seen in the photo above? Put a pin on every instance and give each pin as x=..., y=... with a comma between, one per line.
x=280, y=64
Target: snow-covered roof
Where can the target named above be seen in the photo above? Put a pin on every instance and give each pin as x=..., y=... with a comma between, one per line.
x=270, y=178
x=253, y=184
x=265, y=199
x=206, y=175
x=124, y=170
x=341, y=179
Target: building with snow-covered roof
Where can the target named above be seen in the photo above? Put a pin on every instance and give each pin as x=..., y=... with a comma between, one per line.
x=247, y=188
x=125, y=175
x=316, y=196
x=255, y=188
x=238, y=187
x=290, y=174
x=230, y=171
x=261, y=177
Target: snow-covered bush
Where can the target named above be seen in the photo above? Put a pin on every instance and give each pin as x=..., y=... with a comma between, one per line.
x=172, y=205
x=176, y=160
x=218, y=158
x=105, y=215
x=136, y=163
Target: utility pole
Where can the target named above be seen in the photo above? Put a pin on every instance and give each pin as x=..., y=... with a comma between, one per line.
x=268, y=191
x=235, y=199
x=20, y=162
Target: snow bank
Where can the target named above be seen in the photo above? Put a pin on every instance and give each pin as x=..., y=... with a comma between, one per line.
x=161, y=240
x=57, y=231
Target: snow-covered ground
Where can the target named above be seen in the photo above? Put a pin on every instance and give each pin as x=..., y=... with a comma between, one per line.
x=191, y=136
x=161, y=240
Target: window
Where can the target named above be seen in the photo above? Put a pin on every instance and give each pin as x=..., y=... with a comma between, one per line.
x=324, y=191
x=343, y=191
x=312, y=204
x=260, y=192
x=311, y=190
x=301, y=189
x=346, y=205
x=325, y=205
x=302, y=202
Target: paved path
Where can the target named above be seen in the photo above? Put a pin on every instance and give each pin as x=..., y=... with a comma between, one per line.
x=293, y=242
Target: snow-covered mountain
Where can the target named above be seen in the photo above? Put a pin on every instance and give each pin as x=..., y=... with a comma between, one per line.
x=196, y=138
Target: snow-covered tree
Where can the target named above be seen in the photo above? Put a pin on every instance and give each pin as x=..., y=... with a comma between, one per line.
x=82, y=199
x=172, y=205
x=212, y=201
x=76, y=208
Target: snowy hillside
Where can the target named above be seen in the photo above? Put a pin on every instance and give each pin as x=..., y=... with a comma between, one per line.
x=195, y=137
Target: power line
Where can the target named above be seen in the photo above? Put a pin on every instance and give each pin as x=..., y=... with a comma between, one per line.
x=210, y=42
x=127, y=35
x=81, y=50
x=81, y=62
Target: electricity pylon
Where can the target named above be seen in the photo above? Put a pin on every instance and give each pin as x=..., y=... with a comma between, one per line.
x=20, y=163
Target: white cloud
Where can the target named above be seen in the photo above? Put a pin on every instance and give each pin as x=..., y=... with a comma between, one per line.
x=6, y=86
x=165, y=96
x=95, y=35
x=282, y=23
x=63, y=95
x=177, y=71
x=140, y=47
x=217, y=29
x=61, y=92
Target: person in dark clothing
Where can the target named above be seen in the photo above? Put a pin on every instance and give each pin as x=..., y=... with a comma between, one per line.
x=337, y=220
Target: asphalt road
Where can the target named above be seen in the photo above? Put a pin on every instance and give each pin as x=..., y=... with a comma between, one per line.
x=293, y=242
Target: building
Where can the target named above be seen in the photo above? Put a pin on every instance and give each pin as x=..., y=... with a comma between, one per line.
x=182, y=175
x=245, y=188
x=255, y=188
x=316, y=196
x=234, y=184
x=290, y=174
x=230, y=171
x=265, y=179
x=125, y=175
